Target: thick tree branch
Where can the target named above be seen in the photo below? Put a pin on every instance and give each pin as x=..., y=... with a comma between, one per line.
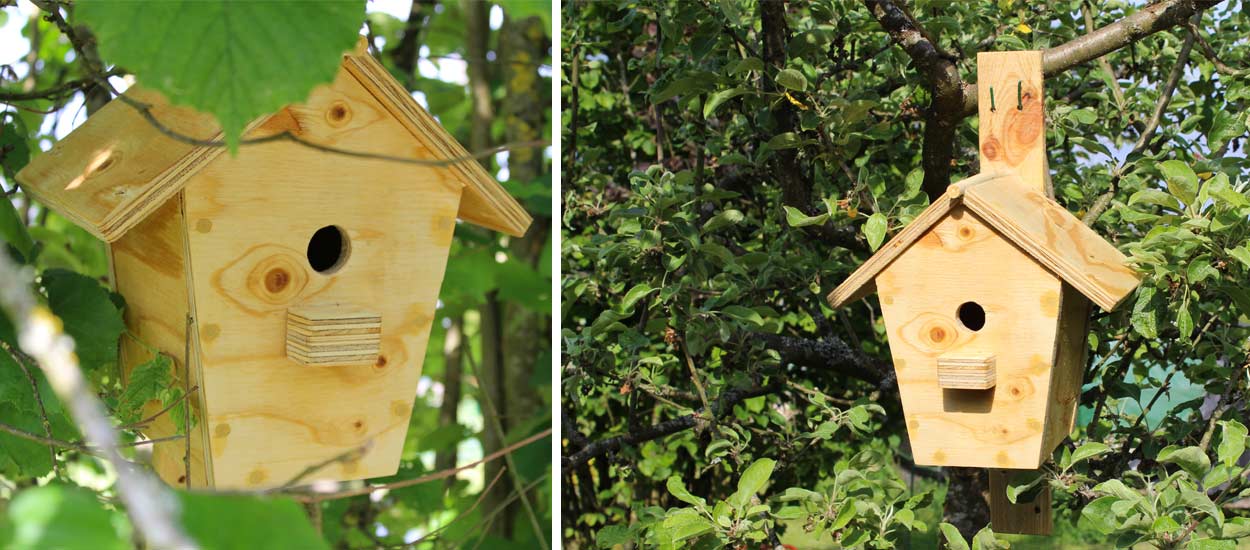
x=831, y=355
x=151, y=506
x=721, y=406
x=953, y=99
x=941, y=77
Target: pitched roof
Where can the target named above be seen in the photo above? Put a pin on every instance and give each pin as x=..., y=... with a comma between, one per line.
x=1042, y=228
x=117, y=168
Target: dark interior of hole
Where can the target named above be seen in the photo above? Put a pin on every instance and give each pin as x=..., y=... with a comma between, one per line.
x=972, y=315
x=325, y=249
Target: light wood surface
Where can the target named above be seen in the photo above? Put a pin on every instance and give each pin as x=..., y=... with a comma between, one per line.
x=333, y=335
x=150, y=269
x=966, y=372
x=116, y=169
x=1023, y=518
x=250, y=220
x=962, y=259
x=1012, y=127
x=860, y=282
x=484, y=202
x=1058, y=240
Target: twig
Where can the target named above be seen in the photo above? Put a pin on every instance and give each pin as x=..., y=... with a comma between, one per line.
x=486, y=521
x=694, y=375
x=1210, y=53
x=138, y=425
x=14, y=430
x=317, y=497
x=151, y=507
x=1102, y=60
x=43, y=411
x=351, y=454
x=1165, y=97
x=480, y=497
x=145, y=110
x=186, y=396
x=493, y=417
x=56, y=92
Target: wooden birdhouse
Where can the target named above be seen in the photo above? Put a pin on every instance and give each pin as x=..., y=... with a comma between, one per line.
x=299, y=283
x=986, y=294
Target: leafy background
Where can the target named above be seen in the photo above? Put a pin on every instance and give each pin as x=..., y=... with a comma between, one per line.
x=727, y=163
x=483, y=69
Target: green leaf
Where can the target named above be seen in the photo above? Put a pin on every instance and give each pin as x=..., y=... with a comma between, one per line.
x=146, y=382
x=1191, y=459
x=234, y=60
x=1164, y=524
x=1098, y=515
x=954, y=540
x=1211, y=544
x=678, y=489
x=792, y=79
x=846, y=513
x=1182, y=182
x=723, y=219
x=874, y=230
x=13, y=231
x=985, y=540
x=752, y=481
x=1089, y=450
x=796, y=217
x=612, y=535
x=89, y=315
x=685, y=524
x=1241, y=253
x=220, y=521
x=1232, y=442
x=1199, y=500
x=1155, y=197
x=744, y=314
x=65, y=518
x=638, y=292
x=1145, y=317
x=718, y=98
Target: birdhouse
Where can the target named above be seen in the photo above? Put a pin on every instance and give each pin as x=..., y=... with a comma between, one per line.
x=296, y=285
x=986, y=294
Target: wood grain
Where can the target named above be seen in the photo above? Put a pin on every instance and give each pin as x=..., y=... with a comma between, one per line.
x=1058, y=240
x=150, y=267
x=116, y=169
x=966, y=372
x=860, y=282
x=1024, y=518
x=484, y=202
x=962, y=259
x=251, y=218
x=1012, y=127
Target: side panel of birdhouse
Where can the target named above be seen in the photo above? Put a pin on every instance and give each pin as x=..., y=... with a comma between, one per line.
x=252, y=219
x=959, y=277
x=150, y=271
x=1071, y=351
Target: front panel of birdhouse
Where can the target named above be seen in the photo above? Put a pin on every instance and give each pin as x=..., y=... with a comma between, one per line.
x=302, y=266
x=972, y=324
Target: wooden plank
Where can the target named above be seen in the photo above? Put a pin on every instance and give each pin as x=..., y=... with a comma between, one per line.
x=1071, y=350
x=485, y=202
x=251, y=218
x=1012, y=125
x=962, y=259
x=965, y=372
x=150, y=270
x=860, y=282
x=117, y=168
x=1057, y=240
x=1022, y=518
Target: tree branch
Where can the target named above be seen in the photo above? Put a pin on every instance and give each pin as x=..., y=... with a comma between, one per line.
x=953, y=99
x=831, y=354
x=150, y=505
x=721, y=406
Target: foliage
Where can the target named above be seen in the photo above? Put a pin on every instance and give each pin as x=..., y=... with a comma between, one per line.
x=226, y=65
x=271, y=54
x=724, y=170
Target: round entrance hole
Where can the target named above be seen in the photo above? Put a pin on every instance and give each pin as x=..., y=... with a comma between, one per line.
x=328, y=249
x=972, y=315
